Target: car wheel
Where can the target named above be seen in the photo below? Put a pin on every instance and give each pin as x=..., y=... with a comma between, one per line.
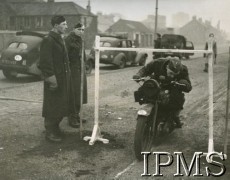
x=10, y=74
x=186, y=57
x=88, y=67
x=122, y=63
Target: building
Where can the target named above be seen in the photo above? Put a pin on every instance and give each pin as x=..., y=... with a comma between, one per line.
x=197, y=31
x=36, y=16
x=136, y=31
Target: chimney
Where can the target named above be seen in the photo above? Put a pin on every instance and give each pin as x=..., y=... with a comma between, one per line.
x=194, y=18
x=88, y=7
x=50, y=1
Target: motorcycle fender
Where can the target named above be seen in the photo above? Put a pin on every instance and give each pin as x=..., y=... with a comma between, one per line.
x=145, y=109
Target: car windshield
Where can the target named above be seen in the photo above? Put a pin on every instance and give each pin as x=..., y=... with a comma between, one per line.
x=13, y=45
x=16, y=45
x=105, y=44
x=22, y=46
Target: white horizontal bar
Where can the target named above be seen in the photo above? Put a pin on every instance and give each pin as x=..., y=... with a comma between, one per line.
x=152, y=50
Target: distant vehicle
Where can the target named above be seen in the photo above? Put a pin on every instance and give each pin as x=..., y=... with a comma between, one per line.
x=173, y=41
x=23, y=54
x=118, y=58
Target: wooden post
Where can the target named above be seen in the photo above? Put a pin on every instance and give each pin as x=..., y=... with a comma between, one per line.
x=96, y=134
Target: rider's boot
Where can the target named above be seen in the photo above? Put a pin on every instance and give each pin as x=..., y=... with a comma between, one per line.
x=176, y=118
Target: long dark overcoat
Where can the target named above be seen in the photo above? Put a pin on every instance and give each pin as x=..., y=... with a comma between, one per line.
x=74, y=47
x=54, y=62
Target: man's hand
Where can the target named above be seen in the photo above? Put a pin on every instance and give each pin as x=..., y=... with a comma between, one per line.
x=52, y=82
x=136, y=78
x=178, y=85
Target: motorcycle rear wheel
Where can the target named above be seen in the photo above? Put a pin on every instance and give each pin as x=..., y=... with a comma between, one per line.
x=144, y=136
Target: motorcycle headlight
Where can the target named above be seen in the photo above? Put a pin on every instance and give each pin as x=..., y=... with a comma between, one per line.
x=18, y=58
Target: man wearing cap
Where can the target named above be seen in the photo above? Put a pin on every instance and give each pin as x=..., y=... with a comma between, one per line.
x=54, y=64
x=214, y=48
x=74, y=44
x=170, y=71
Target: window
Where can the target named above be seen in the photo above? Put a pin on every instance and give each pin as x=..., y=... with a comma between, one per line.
x=124, y=44
x=38, y=22
x=23, y=46
x=85, y=21
x=129, y=44
x=12, y=21
x=27, y=21
x=105, y=44
x=13, y=45
x=16, y=45
x=189, y=44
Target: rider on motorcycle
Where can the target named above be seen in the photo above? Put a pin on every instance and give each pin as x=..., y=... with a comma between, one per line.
x=174, y=75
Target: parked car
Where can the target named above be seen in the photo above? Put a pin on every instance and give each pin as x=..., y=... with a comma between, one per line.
x=23, y=54
x=118, y=58
x=173, y=41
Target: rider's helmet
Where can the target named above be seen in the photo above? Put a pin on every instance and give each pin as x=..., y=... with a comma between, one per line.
x=175, y=65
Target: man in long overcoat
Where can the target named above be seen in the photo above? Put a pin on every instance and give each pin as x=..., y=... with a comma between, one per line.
x=54, y=64
x=74, y=44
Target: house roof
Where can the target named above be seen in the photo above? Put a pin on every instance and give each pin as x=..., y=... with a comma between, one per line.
x=129, y=26
x=52, y=8
x=206, y=25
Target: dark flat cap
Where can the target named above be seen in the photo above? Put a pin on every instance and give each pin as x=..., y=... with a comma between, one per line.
x=57, y=20
x=79, y=25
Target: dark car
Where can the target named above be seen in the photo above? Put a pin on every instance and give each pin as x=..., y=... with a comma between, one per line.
x=22, y=55
x=118, y=58
x=173, y=41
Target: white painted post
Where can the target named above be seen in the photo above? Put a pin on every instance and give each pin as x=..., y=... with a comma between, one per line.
x=82, y=83
x=210, y=84
x=227, y=111
x=96, y=134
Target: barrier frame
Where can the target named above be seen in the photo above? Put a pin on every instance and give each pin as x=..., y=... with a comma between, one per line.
x=96, y=133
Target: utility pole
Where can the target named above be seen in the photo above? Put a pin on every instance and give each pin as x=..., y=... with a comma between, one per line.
x=156, y=20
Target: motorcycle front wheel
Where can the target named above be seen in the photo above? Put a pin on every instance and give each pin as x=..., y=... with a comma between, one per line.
x=144, y=136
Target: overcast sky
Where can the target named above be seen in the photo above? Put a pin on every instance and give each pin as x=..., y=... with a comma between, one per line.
x=138, y=10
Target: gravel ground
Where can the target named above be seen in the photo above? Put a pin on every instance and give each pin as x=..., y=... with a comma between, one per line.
x=24, y=153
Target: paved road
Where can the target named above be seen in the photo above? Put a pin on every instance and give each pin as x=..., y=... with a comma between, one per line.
x=25, y=154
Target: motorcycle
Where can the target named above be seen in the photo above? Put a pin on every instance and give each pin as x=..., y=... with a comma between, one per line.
x=154, y=118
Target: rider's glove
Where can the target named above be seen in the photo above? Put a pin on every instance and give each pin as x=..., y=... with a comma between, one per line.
x=177, y=85
x=136, y=77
